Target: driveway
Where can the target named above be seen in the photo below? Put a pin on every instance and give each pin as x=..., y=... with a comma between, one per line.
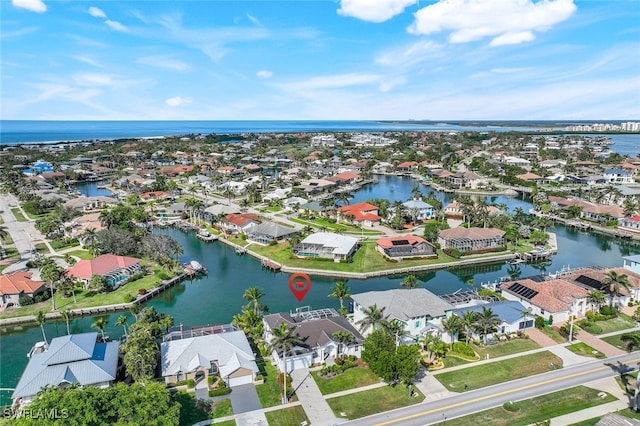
x=244, y=398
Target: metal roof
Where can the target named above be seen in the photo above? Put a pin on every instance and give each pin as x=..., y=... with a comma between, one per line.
x=404, y=304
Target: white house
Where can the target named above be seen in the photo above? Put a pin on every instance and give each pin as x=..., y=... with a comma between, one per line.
x=227, y=355
x=327, y=245
x=315, y=328
x=513, y=316
x=420, y=210
x=629, y=223
x=618, y=175
x=412, y=307
x=632, y=263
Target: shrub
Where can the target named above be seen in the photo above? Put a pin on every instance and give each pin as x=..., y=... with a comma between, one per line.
x=539, y=322
x=128, y=298
x=511, y=406
x=281, y=379
x=25, y=300
x=42, y=297
x=463, y=349
x=608, y=311
x=142, y=291
x=453, y=252
x=162, y=275
x=219, y=391
x=210, y=380
x=259, y=377
x=191, y=383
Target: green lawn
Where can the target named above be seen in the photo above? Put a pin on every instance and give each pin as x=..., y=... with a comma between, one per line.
x=365, y=403
x=82, y=254
x=85, y=298
x=336, y=227
x=18, y=215
x=227, y=423
x=588, y=422
x=287, y=416
x=222, y=408
x=537, y=409
x=622, y=322
x=505, y=348
x=480, y=376
x=269, y=393
x=585, y=350
x=352, y=378
x=557, y=337
x=617, y=342
x=453, y=361
x=42, y=248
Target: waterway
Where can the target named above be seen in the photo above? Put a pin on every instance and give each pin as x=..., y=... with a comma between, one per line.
x=216, y=297
x=92, y=189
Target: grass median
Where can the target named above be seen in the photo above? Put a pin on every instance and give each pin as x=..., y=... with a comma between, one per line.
x=537, y=409
x=492, y=373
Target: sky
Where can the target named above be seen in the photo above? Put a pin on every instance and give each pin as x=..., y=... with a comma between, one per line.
x=320, y=60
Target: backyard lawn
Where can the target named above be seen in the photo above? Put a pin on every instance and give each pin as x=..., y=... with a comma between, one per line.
x=537, y=409
x=287, y=416
x=480, y=376
x=352, y=378
x=365, y=403
x=507, y=347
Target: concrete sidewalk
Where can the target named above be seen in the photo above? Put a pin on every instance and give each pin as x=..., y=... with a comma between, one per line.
x=312, y=400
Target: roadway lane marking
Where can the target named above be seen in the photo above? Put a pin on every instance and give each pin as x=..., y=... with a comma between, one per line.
x=482, y=398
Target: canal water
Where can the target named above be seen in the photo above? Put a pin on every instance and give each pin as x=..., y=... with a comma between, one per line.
x=216, y=297
x=92, y=189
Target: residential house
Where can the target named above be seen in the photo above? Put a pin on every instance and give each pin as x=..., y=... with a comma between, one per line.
x=417, y=309
x=419, y=210
x=216, y=211
x=316, y=186
x=406, y=246
x=512, y=315
x=471, y=239
x=472, y=180
x=618, y=175
x=631, y=223
x=116, y=269
x=155, y=195
x=363, y=214
x=226, y=354
x=77, y=359
x=16, y=285
x=294, y=203
x=557, y=297
x=268, y=232
x=79, y=225
x=530, y=177
x=632, y=263
x=595, y=280
x=239, y=223
x=453, y=210
x=91, y=203
x=407, y=166
x=327, y=245
x=316, y=329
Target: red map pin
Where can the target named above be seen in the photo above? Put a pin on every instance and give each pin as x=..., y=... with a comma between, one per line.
x=299, y=284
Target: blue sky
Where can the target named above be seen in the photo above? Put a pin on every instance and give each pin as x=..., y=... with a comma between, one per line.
x=295, y=60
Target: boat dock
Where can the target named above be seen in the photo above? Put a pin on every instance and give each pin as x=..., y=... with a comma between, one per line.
x=266, y=263
x=206, y=236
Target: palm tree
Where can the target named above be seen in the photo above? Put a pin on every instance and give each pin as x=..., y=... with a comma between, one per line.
x=615, y=282
x=433, y=344
x=343, y=338
x=395, y=328
x=284, y=340
x=468, y=322
x=41, y=319
x=410, y=281
x=122, y=320
x=66, y=315
x=340, y=291
x=373, y=317
x=51, y=273
x=452, y=325
x=100, y=324
x=597, y=299
x=90, y=239
x=4, y=232
x=632, y=340
x=253, y=296
x=487, y=321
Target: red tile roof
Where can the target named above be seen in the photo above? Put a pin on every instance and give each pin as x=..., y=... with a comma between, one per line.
x=409, y=240
x=407, y=164
x=101, y=265
x=363, y=207
x=156, y=194
x=239, y=219
x=553, y=295
x=18, y=282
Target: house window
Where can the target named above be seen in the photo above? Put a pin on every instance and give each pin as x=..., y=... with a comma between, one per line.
x=417, y=324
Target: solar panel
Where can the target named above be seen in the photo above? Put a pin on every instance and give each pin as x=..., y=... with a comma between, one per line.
x=590, y=282
x=400, y=242
x=523, y=291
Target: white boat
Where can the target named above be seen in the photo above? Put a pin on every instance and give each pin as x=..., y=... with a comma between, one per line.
x=196, y=265
x=38, y=348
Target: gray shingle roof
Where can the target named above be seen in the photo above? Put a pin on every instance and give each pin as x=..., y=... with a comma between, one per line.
x=271, y=229
x=404, y=304
x=73, y=359
x=507, y=311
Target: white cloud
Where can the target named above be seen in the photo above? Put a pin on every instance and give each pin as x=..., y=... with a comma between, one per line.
x=414, y=53
x=178, y=101
x=91, y=79
x=388, y=84
x=164, y=61
x=115, y=25
x=505, y=21
x=253, y=19
x=333, y=82
x=97, y=13
x=32, y=5
x=264, y=74
x=373, y=10
x=87, y=60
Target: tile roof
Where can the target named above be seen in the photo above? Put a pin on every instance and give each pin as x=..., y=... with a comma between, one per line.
x=101, y=265
x=552, y=296
x=404, y=240
x=19, y=282
x=240, y=219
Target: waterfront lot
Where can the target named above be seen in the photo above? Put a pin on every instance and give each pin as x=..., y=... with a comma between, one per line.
x=480, y=376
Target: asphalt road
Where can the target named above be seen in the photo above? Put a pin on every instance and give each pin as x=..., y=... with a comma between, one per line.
x=22, y=233
x=437, y=412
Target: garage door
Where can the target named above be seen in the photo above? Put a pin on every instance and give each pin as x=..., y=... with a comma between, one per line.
x=240, y=380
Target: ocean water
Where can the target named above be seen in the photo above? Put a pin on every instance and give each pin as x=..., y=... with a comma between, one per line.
x=23, y=131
